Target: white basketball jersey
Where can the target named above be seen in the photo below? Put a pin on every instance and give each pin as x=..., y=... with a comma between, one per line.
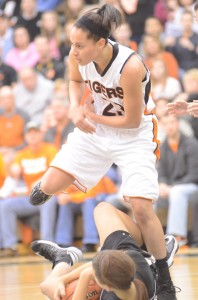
x=106, y=89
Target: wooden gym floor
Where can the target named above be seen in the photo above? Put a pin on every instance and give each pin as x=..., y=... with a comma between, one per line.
x=20, y=276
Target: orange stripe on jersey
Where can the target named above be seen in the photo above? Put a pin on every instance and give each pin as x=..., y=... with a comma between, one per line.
x=146, y=112
x=155, y=131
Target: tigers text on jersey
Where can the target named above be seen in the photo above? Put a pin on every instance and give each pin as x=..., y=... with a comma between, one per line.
x=105, y=87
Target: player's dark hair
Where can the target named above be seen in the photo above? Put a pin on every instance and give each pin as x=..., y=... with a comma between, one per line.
x=114, y=268
x=100, y=22
x=142, y=293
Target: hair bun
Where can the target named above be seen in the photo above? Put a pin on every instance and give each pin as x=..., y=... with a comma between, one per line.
x=101, y=10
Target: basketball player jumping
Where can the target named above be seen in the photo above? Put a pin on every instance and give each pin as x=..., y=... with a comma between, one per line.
x=116, y=125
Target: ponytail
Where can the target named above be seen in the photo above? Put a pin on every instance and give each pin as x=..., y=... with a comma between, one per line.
x=100, y=22
x=142, y=293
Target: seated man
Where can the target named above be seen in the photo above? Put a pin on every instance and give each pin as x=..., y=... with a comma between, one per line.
x=121, y=240
x=178, y=176
x=29, y=165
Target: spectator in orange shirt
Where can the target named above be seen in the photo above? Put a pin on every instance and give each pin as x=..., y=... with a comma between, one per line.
x=154, y=27
x=12, y=123
x=2, y=179
x=153, y=49
x=2, y=171
x=123, y=36
x=30, y=164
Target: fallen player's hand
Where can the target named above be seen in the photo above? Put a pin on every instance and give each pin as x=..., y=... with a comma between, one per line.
x=59, y=291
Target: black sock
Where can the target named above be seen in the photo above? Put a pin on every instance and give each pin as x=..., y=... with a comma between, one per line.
x=66, y=259
x=163, y=270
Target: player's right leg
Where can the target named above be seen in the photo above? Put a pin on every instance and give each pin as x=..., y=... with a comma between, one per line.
x=109, y=219
x=53, y=181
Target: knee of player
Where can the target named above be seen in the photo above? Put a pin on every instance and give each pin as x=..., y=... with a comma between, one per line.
x=142, y=215
x=101, y=207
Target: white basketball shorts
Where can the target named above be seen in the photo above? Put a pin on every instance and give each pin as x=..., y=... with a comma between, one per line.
x=89, y=156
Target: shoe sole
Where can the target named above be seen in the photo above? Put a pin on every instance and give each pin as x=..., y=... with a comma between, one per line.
x=69, y=249
x=174, y=251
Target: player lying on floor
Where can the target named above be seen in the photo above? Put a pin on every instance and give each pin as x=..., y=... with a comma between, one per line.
x=121, y=268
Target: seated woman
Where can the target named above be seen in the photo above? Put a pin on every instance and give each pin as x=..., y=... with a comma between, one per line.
x=120, y=257
x=163, y=85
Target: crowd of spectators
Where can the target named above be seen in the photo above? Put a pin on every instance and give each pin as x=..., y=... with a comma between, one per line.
x=34, y=49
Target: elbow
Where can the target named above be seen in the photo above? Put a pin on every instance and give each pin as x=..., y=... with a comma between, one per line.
x=44, y=287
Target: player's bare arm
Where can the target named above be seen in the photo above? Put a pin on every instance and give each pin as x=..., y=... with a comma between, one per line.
x=75, y=273
x=64, y=280
x=76, y=91
x=83, y=282
x=131, y=80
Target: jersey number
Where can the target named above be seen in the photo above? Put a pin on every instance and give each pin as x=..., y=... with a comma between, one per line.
x=119, y=110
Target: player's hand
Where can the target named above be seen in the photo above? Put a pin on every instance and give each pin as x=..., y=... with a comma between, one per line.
x=59, y=291
x=192, y=108
x=78, y=117
x=178, y=108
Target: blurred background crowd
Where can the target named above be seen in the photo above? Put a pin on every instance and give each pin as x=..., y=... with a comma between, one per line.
x=34, y=116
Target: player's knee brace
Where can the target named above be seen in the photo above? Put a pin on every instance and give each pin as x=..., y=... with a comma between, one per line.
x=37, y=197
